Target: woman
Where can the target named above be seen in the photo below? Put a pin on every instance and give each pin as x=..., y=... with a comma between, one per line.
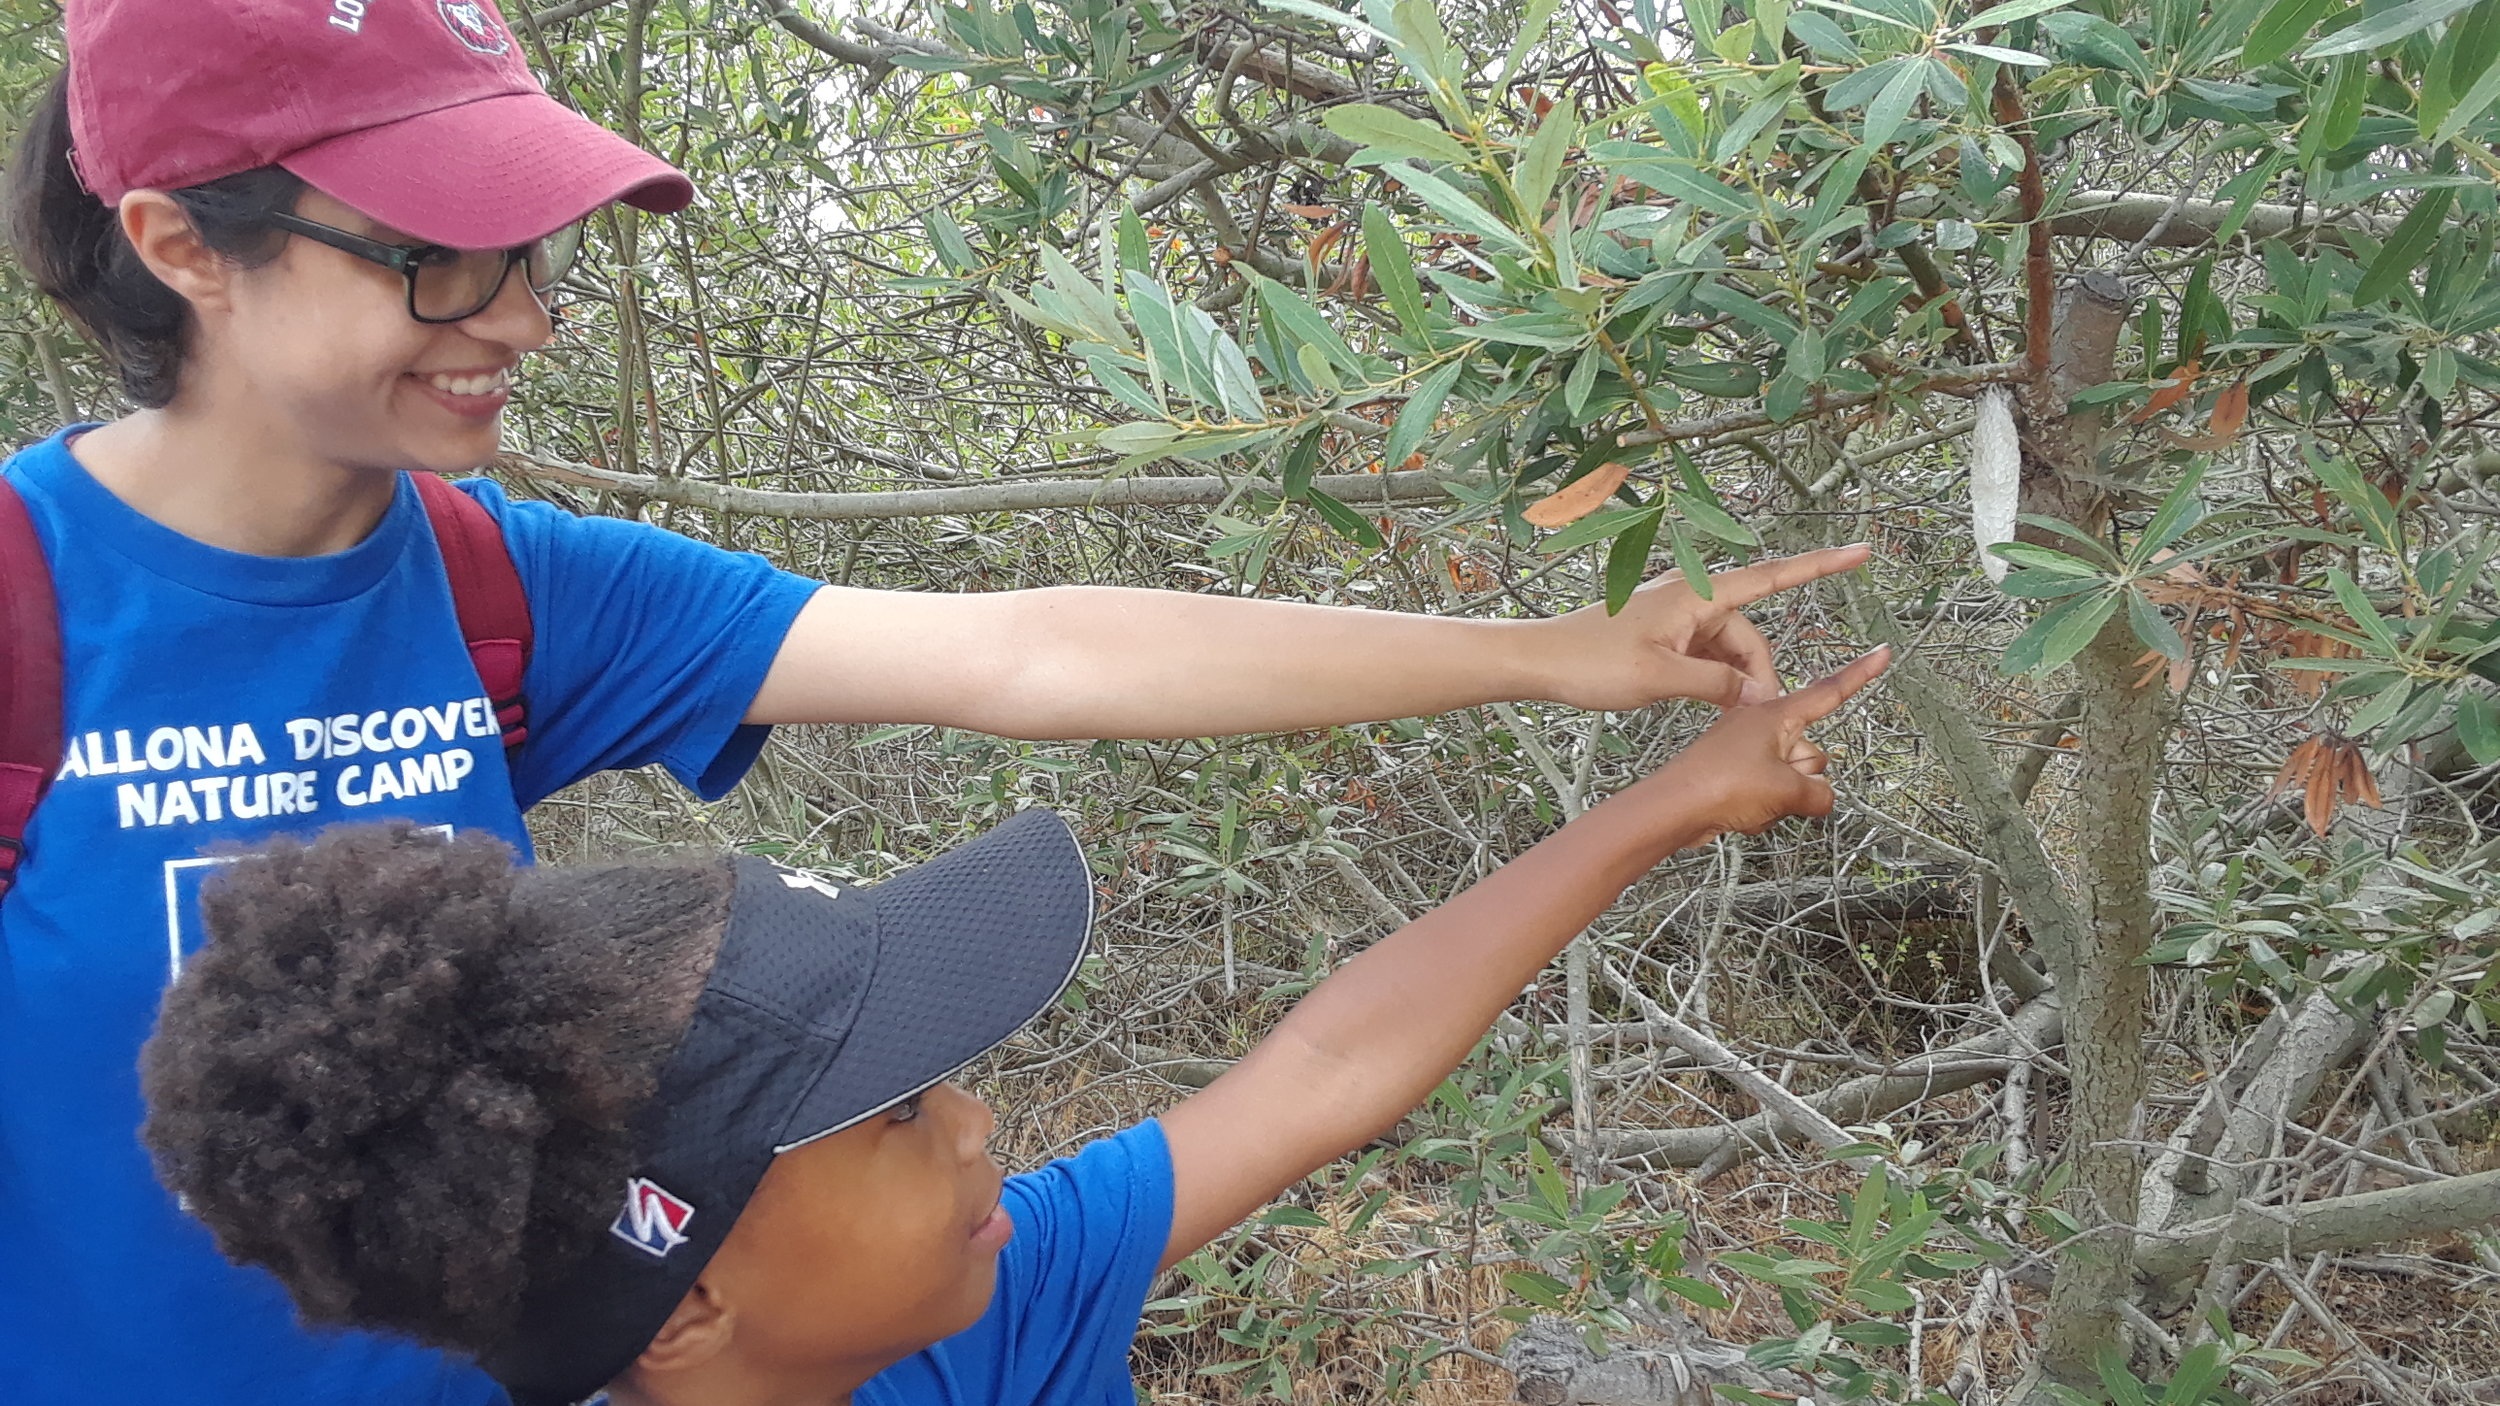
x=314, y=240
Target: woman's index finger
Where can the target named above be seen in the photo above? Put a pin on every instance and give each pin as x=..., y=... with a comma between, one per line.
x=1747, y=584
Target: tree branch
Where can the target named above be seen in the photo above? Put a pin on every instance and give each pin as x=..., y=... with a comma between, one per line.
x=2112, y=214
x=564, y=10
x=1135, y=491
x=2356, y=1222
x=2036, y=1027
x=2006, y=835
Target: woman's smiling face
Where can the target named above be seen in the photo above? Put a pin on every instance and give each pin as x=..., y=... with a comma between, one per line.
x=322, y=341
x=856, y=1251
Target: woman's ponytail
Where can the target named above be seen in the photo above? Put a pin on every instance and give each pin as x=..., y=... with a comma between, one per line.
x=72, y=245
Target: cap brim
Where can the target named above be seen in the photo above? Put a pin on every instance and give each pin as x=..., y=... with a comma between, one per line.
x=489, y=174
x=971, y=946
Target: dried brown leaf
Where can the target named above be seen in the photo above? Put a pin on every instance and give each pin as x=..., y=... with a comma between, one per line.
x=1576, y=500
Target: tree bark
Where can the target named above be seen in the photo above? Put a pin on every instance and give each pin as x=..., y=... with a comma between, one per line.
x=2106, y=985
x=2356, y=1222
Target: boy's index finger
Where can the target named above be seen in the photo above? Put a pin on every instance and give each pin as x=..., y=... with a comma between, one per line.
x=1747, y=584
x=1823, y=697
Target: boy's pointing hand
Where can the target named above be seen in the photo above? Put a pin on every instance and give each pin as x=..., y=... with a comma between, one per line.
x=1756, y=766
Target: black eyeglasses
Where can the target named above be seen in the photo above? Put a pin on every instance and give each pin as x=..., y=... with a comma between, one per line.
x=446, y=284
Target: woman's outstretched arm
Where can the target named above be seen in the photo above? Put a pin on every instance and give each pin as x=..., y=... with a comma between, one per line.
x=1100, y=661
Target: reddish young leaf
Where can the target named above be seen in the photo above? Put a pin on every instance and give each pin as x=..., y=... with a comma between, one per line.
x=2168, y=393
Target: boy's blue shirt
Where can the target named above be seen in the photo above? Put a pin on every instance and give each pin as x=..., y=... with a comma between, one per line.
x=216, y=699
x=1072, y=1282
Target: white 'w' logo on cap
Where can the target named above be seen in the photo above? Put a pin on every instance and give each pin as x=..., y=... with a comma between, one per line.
x=653, y=1221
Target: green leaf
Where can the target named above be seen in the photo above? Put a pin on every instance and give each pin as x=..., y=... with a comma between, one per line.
x=1882, y=1296
x=2060, y=633
x=1228, y=368
x=1302, y=460
x=1395, y=268
x=2478, y=727
x=2021, y=58
x=2039, y=558
x=1828, y=40
x=1596, y=527
x=2201, y=1369
x=2090, y=39
x=2413, y=238
x=1688, y=560
x=1457, y=207
x=1541, y=163
x=2348, y=594
x=2368, y=506
x=2147, y=621
x=1531, y=29
x=1421, y=409
x=1998, y=16
x=1348, y=522
x=1136, y=437
x=1838, y=7
x=2283, y=24
x=1312, y=9
x=948, y=237
x=1151, y=309
x=1543, y=1290
x=2385, y=27
x=2179, y=511
x=1305, y=322
x=1095, y=311
x=1694, y=1291
x=1627, y=561
x=1671, y=175
x=2121, y=1384
x=1136, y=250
x=2335, y=113
x=1760, y=112
x=1583, y=376
x=2477, y=98
x=1393, y=133
x=1747, y=306
x=1885, y=113
x=1732, y=380
x=2045, y=585
x=1705, y=514
x=1115, y=378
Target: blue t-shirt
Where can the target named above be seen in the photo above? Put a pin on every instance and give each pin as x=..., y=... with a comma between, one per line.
x=216, y=698
x=1072, y=1283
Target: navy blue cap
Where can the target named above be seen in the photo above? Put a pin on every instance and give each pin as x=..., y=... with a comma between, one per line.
x=826, y=1006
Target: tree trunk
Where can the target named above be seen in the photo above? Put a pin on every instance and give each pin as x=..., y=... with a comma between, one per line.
x=2105, y=985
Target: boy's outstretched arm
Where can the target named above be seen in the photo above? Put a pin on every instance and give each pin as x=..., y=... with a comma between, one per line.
x=1373, y=1039
x=1102, y=661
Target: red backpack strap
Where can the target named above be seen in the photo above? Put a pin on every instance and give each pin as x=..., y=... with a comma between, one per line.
x=30, y=679
x=486, y=590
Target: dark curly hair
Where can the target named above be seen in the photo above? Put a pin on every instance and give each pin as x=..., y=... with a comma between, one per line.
x=404, y=1074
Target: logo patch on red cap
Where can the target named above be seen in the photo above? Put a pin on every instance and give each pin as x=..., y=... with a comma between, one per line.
x=653, y=1221
x=474, y=25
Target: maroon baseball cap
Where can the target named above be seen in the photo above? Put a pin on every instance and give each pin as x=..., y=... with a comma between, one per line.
x=420, y=113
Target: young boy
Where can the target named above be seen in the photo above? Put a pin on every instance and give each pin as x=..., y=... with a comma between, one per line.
x=411, y=1080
